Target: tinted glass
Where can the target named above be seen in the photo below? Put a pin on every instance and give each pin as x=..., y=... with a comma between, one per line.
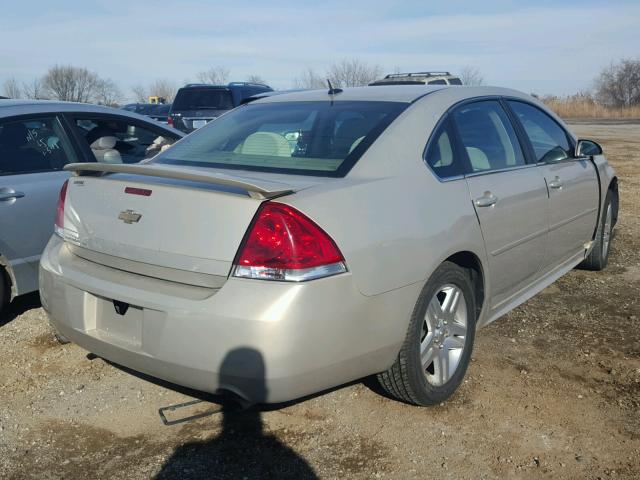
x=549, y=140
x=312, y=138
x=437, y=82
x=487, y=136
x=440, y=155
x=33, y=145
x=203, y=99
x=120, y=141
x=455, y=81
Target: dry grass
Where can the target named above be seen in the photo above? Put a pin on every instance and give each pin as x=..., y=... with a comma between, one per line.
x=584, y=106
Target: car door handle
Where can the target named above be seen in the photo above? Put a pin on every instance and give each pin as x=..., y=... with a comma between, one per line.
x=10, y=195
x=556, y=183
x=486, y=200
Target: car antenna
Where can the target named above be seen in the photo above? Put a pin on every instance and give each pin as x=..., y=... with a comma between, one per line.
x=333, y=91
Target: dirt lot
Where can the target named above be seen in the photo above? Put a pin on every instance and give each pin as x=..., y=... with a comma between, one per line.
x=553, y=392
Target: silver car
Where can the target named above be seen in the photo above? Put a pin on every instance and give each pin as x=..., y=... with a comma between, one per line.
x=309, y=239
x=37, y=139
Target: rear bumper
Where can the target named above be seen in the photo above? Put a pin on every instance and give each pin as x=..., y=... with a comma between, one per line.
x=266, y=341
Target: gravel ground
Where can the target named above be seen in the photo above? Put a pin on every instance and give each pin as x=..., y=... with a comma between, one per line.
x=553, y=391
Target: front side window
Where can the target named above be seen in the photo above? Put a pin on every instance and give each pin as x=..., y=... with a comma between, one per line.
x=548, y=139
x=309, y=138
x=120, y=141
x=488, y=136
x=33, y=145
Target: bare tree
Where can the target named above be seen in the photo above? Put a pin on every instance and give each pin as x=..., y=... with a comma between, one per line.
x=107, y=93
x=11, y=88
x=353, y=73
x=471, y=76
x=217, y=75
x=69, y=83
x=34, y=90
x=619, y=84
x=309, y=79
x=163, y=88
x=255, y=79
x=140, y=94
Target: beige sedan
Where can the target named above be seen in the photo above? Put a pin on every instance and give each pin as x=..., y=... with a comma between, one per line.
x=309, y=239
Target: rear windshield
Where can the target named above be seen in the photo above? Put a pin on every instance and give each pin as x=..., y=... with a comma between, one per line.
x=203, y=99
x=305, y=138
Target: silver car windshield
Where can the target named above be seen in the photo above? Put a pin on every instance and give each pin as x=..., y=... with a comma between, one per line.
x=309, y=138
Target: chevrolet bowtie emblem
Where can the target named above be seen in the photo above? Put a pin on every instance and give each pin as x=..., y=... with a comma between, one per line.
x=129, y=216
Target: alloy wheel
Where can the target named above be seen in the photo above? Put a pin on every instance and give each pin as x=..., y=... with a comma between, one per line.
x=444, y=332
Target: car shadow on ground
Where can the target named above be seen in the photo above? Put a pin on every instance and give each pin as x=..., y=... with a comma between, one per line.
x=18, y=306
x=242, y=449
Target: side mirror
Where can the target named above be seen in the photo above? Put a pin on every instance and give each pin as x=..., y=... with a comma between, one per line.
x=588, y=148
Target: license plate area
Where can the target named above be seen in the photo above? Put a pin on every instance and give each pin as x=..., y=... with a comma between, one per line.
x=124, y=328
x=199, y=123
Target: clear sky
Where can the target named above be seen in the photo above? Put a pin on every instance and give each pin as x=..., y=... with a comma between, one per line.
x=537, y=46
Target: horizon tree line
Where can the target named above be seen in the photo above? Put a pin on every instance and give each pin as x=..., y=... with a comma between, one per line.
x=617, y=85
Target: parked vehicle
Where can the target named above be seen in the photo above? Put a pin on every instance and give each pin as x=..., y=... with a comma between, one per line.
x=331, y=236
x=37, y=139
x=196, y=104
x=419, y=78
x=157, y=111
x=140, y=108
x=160, y=113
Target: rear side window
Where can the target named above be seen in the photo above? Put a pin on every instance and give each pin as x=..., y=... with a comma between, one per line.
x=310, y=138
x=548, y=139
x=437, y=82
x=455, y=81
x=440, y=153
x=33, y=145
x=119, y=141
x=488, y=136
x=203, y=99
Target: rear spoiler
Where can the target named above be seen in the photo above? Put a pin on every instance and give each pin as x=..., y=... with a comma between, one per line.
x=259, y=189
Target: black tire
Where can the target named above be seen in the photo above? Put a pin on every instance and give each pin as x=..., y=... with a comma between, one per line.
x=407, y=379
x=599, y=255
x=4, y=289
x=58, y=337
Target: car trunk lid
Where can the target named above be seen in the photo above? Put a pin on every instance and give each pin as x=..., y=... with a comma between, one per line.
x=190, y=219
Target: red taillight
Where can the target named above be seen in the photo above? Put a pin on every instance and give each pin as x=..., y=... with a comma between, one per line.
x=284, y=244
x=170, y=121
x=59, y=224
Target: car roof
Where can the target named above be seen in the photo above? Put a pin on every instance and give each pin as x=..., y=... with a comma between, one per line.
x=17, y=107
x=10, y=108
x=391, y=93
x=229, y=85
